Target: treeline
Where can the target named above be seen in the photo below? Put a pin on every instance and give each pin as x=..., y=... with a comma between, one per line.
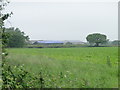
x=107, y=44
x=16, y=38
x=115, y=42
x=112, y=43
x=56, y=46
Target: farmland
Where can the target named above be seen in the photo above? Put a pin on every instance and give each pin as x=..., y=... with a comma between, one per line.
x=84, y=67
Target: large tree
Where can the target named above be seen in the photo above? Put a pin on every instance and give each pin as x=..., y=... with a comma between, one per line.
x=96, y=38
x=16, y=37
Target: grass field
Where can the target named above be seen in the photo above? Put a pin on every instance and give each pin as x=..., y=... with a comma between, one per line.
x=85, y=67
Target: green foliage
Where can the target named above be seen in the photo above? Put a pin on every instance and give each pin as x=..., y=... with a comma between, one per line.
x=58, y=70
x=96, y=38
x=56, y=46
x=9, y=78
x=116, y=42
x=3, y=38
x=68, y=43
x=16, y=38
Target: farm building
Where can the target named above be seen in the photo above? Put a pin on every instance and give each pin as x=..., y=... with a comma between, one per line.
x=32, y=41
x=48, y=42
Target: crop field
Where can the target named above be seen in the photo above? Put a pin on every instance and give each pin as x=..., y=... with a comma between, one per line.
x=84, y=67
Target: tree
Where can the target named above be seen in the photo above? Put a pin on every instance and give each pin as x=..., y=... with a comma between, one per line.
x=116, y=42
x=9, y=78
x=16, y=38
x=3, y=40
x=96, y=39
x=3, y=17
x=68, y=43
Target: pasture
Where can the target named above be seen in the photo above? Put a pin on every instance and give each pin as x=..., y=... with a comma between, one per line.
x=84, y=67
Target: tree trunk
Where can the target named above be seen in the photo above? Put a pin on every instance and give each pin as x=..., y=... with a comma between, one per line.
x=97, y=44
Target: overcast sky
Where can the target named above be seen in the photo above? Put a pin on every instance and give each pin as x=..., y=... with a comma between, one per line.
x=64, y=20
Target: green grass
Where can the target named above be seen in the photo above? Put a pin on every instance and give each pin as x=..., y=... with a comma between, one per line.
x=84, y=67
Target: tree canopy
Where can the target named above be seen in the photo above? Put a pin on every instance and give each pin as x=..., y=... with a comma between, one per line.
x=96, y=38
x=16, y=37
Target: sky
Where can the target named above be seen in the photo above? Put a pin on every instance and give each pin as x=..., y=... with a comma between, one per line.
x=64, y=19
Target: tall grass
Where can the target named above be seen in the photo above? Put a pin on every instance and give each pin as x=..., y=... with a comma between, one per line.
x=84, y=67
